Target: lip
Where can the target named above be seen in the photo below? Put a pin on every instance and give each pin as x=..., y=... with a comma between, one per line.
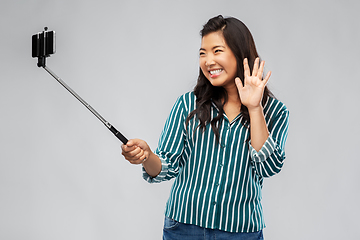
x=218, y=73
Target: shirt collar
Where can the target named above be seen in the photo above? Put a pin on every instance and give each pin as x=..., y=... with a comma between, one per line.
x=235, y=119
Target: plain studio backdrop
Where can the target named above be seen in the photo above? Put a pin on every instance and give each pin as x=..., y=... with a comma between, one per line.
x=62, y=175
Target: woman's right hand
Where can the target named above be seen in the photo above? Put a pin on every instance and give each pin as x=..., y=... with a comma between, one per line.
x=136, y=151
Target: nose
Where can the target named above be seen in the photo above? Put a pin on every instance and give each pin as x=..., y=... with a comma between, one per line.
x=209, y=60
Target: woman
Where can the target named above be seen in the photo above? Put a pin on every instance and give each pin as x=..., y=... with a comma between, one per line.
x=219, y=141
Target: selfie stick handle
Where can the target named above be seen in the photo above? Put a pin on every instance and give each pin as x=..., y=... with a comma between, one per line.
x=106, y=123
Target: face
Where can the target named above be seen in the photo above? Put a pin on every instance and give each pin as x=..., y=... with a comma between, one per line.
x=217, y=61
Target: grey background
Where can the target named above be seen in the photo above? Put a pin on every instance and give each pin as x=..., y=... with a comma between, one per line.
x=61, y=172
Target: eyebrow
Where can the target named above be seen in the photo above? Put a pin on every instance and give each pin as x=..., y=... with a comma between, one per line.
x=203, y=49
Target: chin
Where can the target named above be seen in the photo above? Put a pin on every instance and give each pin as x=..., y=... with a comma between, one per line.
x=217, y=82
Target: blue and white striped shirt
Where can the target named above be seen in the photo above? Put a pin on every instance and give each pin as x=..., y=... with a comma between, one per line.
x=218, y=184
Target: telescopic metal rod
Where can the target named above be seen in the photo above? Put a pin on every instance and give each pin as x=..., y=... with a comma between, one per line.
x=106, y=123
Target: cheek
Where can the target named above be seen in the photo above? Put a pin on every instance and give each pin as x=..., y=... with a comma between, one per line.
x=232, y=67
x=203, y=67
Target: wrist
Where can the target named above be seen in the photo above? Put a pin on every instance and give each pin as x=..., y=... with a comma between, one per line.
x=152, y=165
x=148, y=156
x=255, y=110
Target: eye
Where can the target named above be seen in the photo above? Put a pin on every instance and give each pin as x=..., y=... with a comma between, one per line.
x=201, y=54
x=218, y=50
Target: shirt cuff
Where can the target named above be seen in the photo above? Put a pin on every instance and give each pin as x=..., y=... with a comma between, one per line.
x=160, y=177
x=266, y=150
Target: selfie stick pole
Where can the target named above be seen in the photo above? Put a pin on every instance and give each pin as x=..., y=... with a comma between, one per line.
x=42, y=47
x=107, y=124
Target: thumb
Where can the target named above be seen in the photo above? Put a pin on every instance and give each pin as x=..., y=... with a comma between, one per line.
x=130, y=143
x=136, y=142
x=238, y=83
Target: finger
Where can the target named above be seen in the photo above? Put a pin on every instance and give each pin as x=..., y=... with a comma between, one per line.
x=136, y=158
x=266, y=79
x=131, y=143
x=261, y=70
x=138, y=142
x=127, y=149
x=140, y=154
x=246, y=68
x=131, y=155
x=238, y=83
x=139, y=160
x=135, y=154
x=256, y=67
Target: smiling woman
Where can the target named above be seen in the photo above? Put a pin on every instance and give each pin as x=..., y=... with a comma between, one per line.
x=219, y=141
x=217, y=61
x=232, y=37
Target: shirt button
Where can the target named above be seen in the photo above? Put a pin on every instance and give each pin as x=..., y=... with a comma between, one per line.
x=214, y=202
x=221, y=165
x=217, y=184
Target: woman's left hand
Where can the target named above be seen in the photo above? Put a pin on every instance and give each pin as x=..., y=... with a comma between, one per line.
x=252, y=92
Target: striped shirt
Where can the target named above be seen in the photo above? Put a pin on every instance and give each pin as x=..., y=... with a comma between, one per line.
x=218, y=184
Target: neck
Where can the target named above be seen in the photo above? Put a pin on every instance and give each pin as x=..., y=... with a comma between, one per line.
x=233, y=95
x=232, y=107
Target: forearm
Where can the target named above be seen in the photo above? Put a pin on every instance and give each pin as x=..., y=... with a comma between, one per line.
x=152, y=164
x=259, y=132
x=269, y=160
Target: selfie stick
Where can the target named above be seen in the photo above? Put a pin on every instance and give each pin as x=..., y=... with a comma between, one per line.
x=41, y=52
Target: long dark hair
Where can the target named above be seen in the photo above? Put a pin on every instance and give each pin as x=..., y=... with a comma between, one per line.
x=239, y=39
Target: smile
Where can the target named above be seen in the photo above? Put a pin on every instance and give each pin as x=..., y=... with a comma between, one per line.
x=214, y=73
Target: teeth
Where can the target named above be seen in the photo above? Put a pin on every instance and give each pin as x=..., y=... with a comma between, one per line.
x=215, y=71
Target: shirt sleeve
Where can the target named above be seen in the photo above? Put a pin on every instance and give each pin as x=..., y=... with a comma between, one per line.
x=269, y=160
x=171, y=144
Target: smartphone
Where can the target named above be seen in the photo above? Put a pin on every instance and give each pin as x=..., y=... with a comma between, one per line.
x=43, y=44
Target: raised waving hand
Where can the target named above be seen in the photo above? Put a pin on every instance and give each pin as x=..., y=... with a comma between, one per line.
x=251, y=92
